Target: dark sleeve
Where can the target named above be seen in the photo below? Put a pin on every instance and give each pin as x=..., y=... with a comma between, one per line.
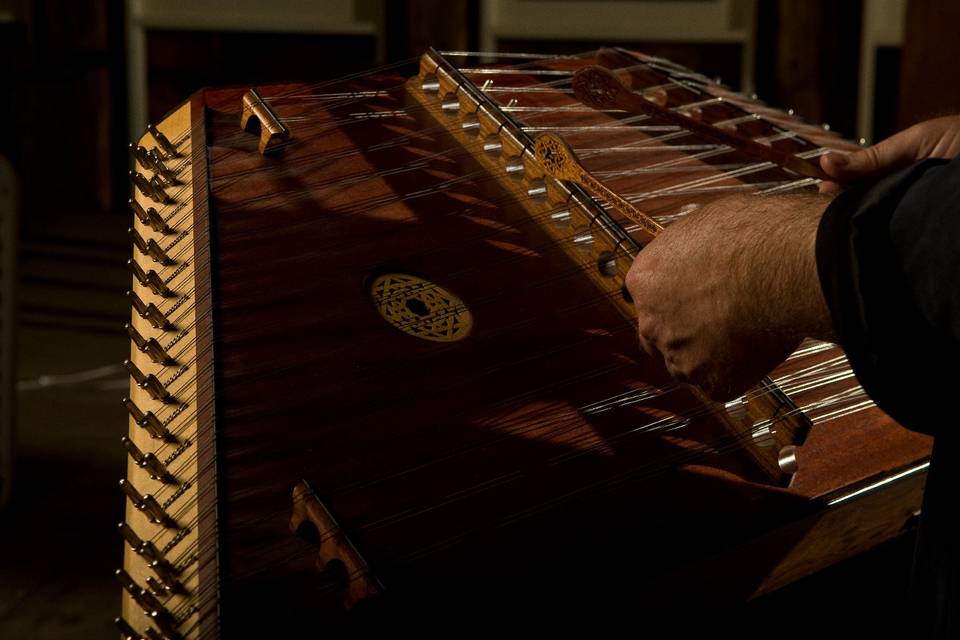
x=888, y=256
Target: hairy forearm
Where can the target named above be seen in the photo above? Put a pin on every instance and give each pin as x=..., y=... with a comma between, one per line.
x=727, y=293
x=777, y=265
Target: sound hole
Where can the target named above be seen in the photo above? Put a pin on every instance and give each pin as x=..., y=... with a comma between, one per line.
x=421, y=308
x=417, y=307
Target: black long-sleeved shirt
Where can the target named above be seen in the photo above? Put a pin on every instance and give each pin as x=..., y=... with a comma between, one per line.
x=888, y=256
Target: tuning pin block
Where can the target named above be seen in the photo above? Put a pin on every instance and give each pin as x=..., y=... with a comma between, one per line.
x=149, y=312
x=169, y=150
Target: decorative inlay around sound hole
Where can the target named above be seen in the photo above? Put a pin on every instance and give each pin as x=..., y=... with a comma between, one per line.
x=421, y=308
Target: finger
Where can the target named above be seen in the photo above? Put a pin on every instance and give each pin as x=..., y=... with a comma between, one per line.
x=829, y=187
x=647, y=346
x=894, y=153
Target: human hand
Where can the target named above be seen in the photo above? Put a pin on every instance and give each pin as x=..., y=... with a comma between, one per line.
x=937, y=138
x=728, y=293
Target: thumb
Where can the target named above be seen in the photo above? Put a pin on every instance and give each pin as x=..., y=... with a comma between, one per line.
x=888, y=155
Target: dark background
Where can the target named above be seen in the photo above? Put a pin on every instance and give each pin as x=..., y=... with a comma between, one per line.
x=64, y=127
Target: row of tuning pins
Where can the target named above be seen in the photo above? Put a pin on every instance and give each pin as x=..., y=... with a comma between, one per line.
x=790, y=112
x=155, y=160
x=165, y=580
x=154, y=188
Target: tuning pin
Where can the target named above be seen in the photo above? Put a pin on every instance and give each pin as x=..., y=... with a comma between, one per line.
x=158, y=471
x=135, y=336
x=149, y=312
x=127, y=632
x=138, y=305
x=128, y=534
x=736, y=408
x=165, y=621
x=763, y=435
x=131, y=492
x=141, y=547
x=787, y=459
x=153, y=634
x=157, y=285
x=126, y=581
x=148, y=461
x=139, y=211
x=139, y=154
x=166, y=582
x=148, y=504
x=150, y=279
x=157, y=589
x=149, y=217
x=130, y=586
x=133, y=450
x=161, y=169
x=137, y=271
x=159, y=190
x=148, y=382
x=138, y=416
x=157, y=514
x=150, y=347
x=165, y=145
x=156, y=222
x=148, y=421
x=150, y=601
x=137, y=240
x=145, y=187
x=168, y=574
x=157, y=253
x=156, y=428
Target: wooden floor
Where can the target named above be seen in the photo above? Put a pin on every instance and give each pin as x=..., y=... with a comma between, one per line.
x=58, y=540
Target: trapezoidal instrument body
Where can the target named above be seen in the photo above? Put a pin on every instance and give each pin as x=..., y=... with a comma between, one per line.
x=384, y=366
